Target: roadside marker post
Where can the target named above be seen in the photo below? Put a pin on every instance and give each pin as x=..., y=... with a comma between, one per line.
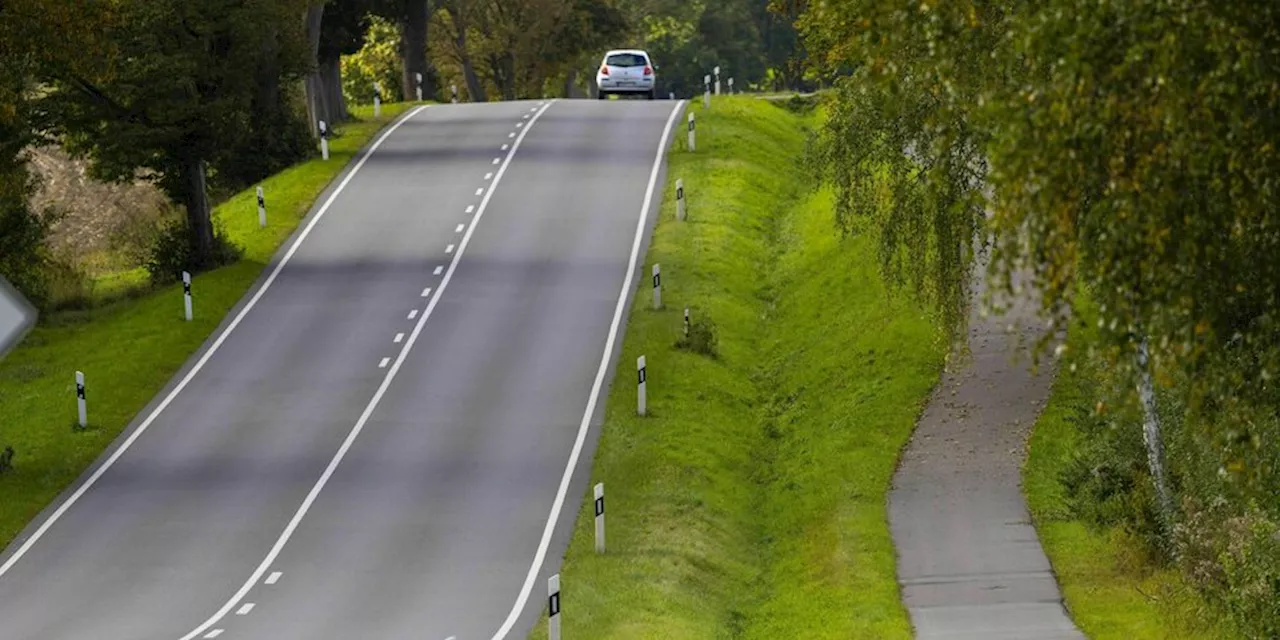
x=686, y=322
x=600, y=517
x=717, y=72
x=418, y=89
x=453, y=89
x=730, y=86
x=673, y=95
x=642, y=376
x=680, y=205
x=553, y=607
x=706, y=91
x=657, y=286
x=262, y=209
x=324, y=140
x=377, y=101
x=692, y=137
x=186, y=293
x=81, y=406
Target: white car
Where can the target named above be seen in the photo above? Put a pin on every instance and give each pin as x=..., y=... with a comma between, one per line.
x=626, y=71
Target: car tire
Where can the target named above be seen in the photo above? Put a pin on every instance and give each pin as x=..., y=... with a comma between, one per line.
x=602, y=95
x=653, y=94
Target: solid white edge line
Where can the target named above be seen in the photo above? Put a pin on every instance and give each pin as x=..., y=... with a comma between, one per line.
x=368, y=410
x=596, y=387
x=213, y=348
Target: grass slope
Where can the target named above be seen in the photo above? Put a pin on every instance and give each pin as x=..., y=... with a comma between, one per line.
x=129, y=349
x=1112, y=588
x=751, y=501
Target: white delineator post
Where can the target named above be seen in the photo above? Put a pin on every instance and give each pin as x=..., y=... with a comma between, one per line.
x=717, y=72
x=262, y=208
x=641, y=400
x=377, y=101
x=81, y=405
x=553, y=607
x=686, y=322
x=324, y=140
x=657, y=286
x=418, y=89
x=453, y=89
x=600, y=518
x=186, y=293
x=692, y=138
x=706, y=91
x=680, y=206
x=730, y=86
x=673, y=95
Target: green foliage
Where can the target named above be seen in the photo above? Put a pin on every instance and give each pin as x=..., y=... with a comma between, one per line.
x=172, y=252
x=377, y=61
x=699, y=336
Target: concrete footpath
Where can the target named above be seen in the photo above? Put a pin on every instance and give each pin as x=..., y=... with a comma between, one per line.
x=969, y=562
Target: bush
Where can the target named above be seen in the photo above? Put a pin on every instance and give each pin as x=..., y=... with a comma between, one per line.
x=700, y=336
x=172, y=252
x=24, y=253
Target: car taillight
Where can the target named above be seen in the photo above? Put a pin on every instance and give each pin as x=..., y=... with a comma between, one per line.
x=648, y=71
x=604, y=71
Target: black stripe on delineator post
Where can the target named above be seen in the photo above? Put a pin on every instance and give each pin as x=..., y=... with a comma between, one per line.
x=600, y=506
x=641, y=372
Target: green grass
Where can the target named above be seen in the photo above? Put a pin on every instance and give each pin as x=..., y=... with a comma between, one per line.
x=1112, y=587
x=751, y=501
x=129, y=349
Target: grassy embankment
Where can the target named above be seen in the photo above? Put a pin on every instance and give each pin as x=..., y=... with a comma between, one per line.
x=1113, y=588
x=129, y=349
x=751, y=501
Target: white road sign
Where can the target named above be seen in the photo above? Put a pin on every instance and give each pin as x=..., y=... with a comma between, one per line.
x=16, y=316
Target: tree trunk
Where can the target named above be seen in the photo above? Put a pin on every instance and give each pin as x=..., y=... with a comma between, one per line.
x=195, y=195
x=460, y=25
x=570, y=84
x=413, y=49
x=335, y=104
x=1152, y=436
x=314, y=87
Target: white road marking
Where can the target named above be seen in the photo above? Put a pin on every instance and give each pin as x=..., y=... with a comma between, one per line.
x=301, y=513
x=583, y=426
x=426, y=293
x=387, y=361
x=497, y=161
x=399, y=338
x=519, y=124
x=448, y=250
x=438, y=271
x=274, y=577
x=413, y=314
x=505, y=146
x=488, y=176
x=244, y=611
x=459, y=228
x=199, y=365
x=480, y=191
x=511, y=135
x=213, y=634
x=471, y=208
x=526, y=116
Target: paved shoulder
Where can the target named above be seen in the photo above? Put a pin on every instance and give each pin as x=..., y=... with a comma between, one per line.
x=969, y=561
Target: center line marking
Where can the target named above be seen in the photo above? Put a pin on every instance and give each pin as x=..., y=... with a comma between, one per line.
x=519, y=124
x=438, y=271
x=387, y=361
x=511, y=135
x=426, y=293
x=413, y=314
x=244, y=611
x=505, y=147
x=497, y=161
x=448, y=249
x=488, y=176
x=460, y=228
x=301, y=513
x=480, y=191
x=274, y=577
x=213, y=634
x=471, y=208
x=399, y=338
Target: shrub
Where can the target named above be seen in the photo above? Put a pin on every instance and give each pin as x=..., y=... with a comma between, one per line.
x=701, y=336
x=172, y=252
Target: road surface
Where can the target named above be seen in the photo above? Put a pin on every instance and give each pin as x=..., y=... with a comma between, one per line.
x=375, y=441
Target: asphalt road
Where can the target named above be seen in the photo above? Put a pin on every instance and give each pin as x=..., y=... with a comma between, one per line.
x=969, y=562
x=377, y=446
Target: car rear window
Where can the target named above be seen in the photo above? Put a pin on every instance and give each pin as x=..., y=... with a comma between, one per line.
x=626, y=60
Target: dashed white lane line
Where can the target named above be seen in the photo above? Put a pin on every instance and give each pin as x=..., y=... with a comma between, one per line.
x=526, y=116
x=244, y=611
x=215, y=633
x=497, y=161
x=448, y=250
x=387, y=361
x=505, y=147
x=399, y=338
x=471, y=208
x=438, y=271
x=413, y=314
x=511, y=135
x=274, y=577
x=519, y=124
x=480, y=191
x=460, y=228
x=488, y=176
x=426, y=293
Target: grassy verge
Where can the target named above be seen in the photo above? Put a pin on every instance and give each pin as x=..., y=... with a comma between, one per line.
x=129, y=349
x=1111, y=585
x=751, y=501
